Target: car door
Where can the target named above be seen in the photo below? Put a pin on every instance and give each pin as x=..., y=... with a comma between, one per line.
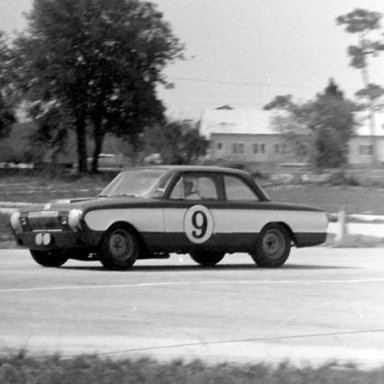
x=246, y=217
x=198, y=220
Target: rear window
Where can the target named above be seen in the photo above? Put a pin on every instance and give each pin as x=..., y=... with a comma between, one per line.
x=237, y=189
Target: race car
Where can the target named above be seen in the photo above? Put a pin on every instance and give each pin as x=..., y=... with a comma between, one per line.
x=155, y=211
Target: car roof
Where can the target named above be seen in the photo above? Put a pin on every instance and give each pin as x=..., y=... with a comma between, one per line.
x=194, y=168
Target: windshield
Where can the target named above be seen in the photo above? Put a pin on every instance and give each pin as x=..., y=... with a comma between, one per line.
x=135, y=183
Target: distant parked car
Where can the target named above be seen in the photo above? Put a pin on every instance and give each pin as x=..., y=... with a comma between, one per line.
x=153, y=211
x=153, y=159
x=108, y=160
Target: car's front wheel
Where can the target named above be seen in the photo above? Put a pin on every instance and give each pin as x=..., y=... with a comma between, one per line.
x=207, y=259
x=52, y=259
x=273, y=247
x=119, y=248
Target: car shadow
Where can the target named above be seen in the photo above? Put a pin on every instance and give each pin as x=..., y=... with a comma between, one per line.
x=199, y=268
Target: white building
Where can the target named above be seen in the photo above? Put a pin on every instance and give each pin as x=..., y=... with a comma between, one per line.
x=247, y=135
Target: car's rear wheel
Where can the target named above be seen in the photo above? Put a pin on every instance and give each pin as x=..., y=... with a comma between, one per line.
x=119, y=248
x=207, y=259
x=49, y=258
x=273, y=247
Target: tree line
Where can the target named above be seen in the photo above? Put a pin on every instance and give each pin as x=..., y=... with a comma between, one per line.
x=320, y=129
x=91, y=67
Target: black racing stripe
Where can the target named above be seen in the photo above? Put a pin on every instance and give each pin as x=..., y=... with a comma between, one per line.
x=179, y=242
x=269, y=206
x=166, y=204
x=227, y=242
x=309, y=239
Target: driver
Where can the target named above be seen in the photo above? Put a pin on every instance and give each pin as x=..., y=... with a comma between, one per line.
x=191, y=188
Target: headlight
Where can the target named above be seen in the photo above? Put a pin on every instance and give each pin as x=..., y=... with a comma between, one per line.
x=74, y=218
x=15, y=222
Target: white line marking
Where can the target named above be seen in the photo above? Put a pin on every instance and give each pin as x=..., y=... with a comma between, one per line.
x=211, y=282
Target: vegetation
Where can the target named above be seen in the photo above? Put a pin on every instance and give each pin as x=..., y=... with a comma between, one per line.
x=91, y=64
x=177, y=142
x=317, y=130
x=7, y=117
x=91, y=369
x=364, y=24
x=331, y=198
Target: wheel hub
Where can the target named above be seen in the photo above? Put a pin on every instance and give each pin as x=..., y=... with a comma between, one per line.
x=120, y=246
x=273, y=244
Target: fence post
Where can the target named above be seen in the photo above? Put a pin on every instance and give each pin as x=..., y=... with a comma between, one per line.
x=342, y=230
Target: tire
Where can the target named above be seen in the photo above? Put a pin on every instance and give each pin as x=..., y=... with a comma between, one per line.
x=119, y=248
x=207, y=259
x=273, y=247
x=53, y=259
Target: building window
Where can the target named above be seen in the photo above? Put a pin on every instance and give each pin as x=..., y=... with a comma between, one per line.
x=258, y=148
x=280, y=148
x=365, y=150
x=219, y=146
x=238, y=148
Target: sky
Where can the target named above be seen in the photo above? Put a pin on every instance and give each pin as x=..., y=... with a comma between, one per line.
x=243, y=53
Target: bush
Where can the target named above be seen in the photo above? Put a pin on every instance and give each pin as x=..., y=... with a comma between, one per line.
x=341, y=178
x=91, y=369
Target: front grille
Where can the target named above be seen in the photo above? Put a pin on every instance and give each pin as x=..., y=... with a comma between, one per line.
x=48, y=220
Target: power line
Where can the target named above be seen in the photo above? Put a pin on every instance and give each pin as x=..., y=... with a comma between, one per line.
x=244, y=83
x=215, y=103
x=235, y=341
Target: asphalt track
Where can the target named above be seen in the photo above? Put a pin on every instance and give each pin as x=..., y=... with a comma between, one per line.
x=324, y=304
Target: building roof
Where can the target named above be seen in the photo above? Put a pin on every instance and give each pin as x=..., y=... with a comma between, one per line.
x=241, y=121
x=364, y=128
x=258, y=122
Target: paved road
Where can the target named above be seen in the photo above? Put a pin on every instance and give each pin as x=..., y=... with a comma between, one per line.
x=324, y=304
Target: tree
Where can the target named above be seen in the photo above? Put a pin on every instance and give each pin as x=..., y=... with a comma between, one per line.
x=291, y=120
x=333, y=90
x=332, y=123
x=52, y=131
x=7, y=116
x=99, y=61
x=318, y=129
x=177, y=142
x=373, y=93
x=364, y=23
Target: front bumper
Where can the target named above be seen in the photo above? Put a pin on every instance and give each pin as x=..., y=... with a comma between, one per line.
x=55, y=240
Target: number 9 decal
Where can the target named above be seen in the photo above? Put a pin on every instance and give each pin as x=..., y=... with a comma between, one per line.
x=198, y=224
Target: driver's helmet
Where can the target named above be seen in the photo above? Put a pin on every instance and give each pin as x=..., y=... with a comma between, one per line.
x=191, y=185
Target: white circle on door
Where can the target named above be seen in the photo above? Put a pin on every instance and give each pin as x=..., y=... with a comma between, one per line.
x=198, y=224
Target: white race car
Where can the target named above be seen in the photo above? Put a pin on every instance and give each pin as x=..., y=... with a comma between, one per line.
x=154, y=211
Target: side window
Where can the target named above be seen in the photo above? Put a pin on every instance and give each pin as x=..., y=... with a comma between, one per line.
x=236, y=189
x=207, y=188
x=194, y=187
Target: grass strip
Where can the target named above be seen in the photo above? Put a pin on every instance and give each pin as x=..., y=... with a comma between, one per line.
x=20, y=369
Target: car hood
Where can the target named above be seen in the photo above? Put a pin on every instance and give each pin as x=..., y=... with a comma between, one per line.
x=87, y=203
